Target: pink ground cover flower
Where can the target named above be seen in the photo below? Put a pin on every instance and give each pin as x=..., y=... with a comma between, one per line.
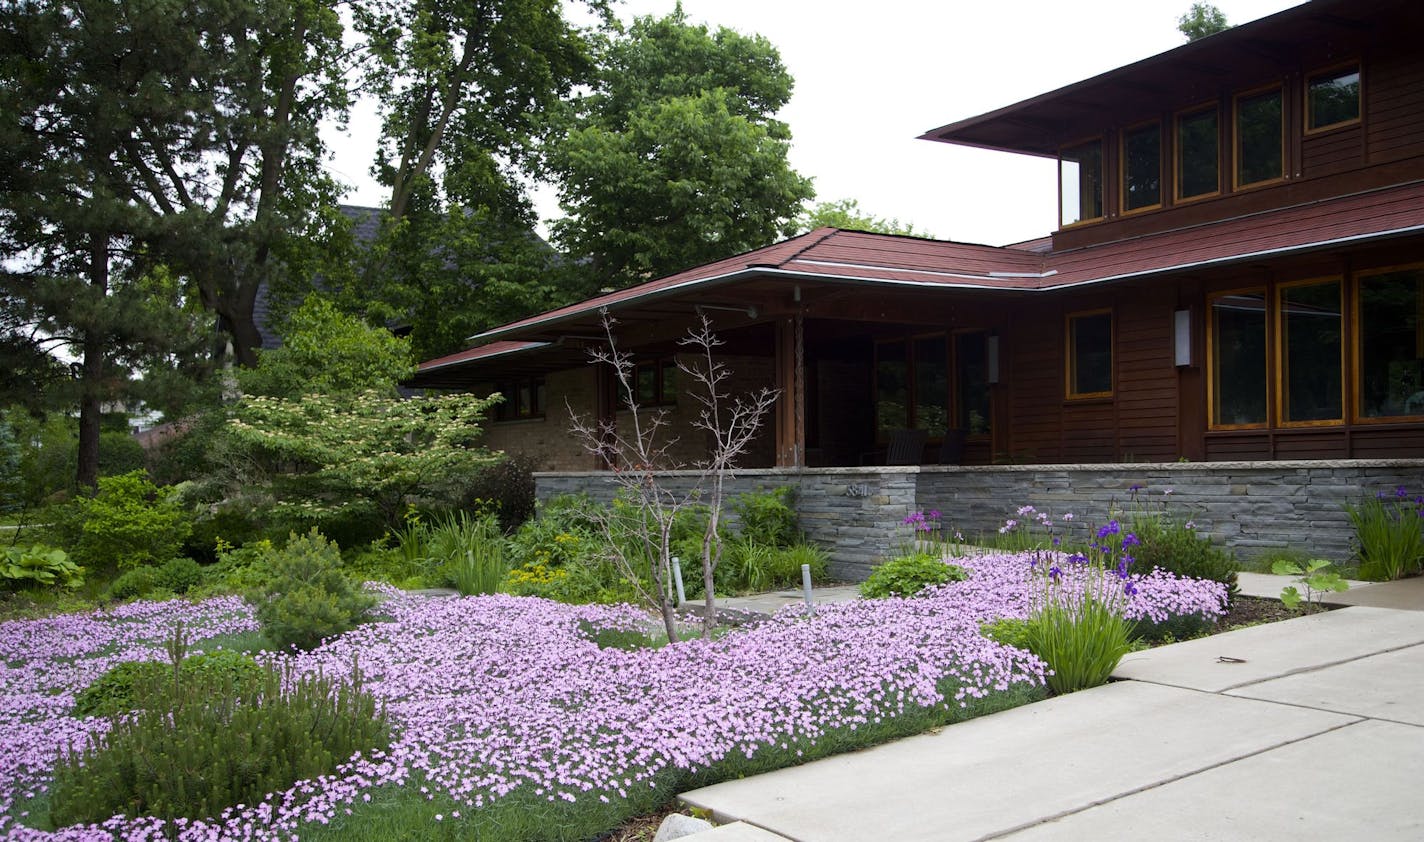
x=498, y=694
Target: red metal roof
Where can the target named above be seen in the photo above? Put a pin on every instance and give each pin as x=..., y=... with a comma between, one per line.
x=857, y=257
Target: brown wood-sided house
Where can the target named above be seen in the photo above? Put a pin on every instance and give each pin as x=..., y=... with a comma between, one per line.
x=1231, y=307
x=1238, y=275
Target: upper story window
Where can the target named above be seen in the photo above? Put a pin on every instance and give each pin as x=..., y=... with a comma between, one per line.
x=523, y=399
x=1260, y=140
x=1332, y=98
x=1090, y=355
x=1080, y=179
x=1142, y=167
x=1198, y=154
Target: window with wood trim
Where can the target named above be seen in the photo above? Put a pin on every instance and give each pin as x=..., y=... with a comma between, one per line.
x=523, y=399
x=1390, y=345
x=1080, y=180
x=1236, y=359
x=1198, y=153
x=1142, y=167
x=1332, y=98
x=655, y=382
x=1260, y=137
x=1310, y=354
x=925, y=382
x=1089, y=355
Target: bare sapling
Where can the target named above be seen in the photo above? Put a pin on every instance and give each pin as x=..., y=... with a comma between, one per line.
x=639, y=532
x=732, y=423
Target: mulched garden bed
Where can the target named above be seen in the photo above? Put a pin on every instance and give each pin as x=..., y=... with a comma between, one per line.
x=1253, y=611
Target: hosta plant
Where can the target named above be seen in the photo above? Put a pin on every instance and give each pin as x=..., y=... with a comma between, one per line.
x=40, y=565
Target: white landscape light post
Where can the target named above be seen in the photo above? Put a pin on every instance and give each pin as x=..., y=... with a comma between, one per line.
x=677, y=579
x=806, y=588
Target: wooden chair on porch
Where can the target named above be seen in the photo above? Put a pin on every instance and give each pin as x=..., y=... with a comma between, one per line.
x=905, y=447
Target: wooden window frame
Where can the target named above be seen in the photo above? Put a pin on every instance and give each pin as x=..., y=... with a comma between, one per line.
x=912, y=398
x=1211, y=353
x=1278, y=372
x=1305, y=109
x=1070, y=360
x=1102, y=142
x=508, y=410
x=1200, y=108
x=954, y=384
x=1161, y=170
x=657, y=365
x=1357, y=346
x=1236, y=185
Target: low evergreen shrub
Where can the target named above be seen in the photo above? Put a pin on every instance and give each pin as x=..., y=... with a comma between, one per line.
x=178, y=575
x=307, y=596
x=132, y=584
x=1168, y=543
x=204, y=750
x=907, y=575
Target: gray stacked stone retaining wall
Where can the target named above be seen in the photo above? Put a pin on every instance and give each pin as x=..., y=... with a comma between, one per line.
x=1251, y=507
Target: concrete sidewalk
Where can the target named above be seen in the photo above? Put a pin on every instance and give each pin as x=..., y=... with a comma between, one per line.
x=1311, y=728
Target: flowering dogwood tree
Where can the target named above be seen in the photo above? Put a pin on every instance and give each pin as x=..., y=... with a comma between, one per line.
x=318, y=452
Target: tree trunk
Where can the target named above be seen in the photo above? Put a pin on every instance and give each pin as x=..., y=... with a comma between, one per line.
x=92, y=369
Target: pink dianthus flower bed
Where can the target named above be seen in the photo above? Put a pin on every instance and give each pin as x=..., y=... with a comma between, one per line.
x=498, y=694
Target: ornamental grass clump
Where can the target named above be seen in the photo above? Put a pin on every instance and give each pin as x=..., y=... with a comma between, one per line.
x=196, y=749
x=1078, y=619
x=1389, y=530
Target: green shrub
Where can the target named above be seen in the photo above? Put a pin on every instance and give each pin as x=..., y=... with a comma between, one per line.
x=205, y=750
x=130, y=685
x=240, y=569
x=505, y=490
x=1010, y=631
x=1169, y=544
x=907, y=575
x=232, y=524
x=380, y=562
x=128, y=523
x=39, y=566
x=135, y=583
x=1389, y=530
x=308, y=597
x=119, y=453
x=178, y=575
x=767, y=517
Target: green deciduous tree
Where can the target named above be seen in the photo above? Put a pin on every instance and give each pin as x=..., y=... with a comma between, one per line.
x=461, y=86
x=328, y=351
x=675, y=158
x=1201, y=20
x=847, y=214
x=316, y=454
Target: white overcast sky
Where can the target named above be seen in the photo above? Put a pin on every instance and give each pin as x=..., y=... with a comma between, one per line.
x=873, y=76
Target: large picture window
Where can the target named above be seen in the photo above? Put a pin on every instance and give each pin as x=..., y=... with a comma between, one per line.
x=655, y=382
x=1090, y=355
x=1332, y=98
x=1259, y=138
x=1391, y=345
x=915, y=380
x=1198, y=154
x=1142, y=167
x=1237, y=359
x=1080, y=175
x=1311, y=347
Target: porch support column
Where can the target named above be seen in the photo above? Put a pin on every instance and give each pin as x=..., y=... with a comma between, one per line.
x=790, y=366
